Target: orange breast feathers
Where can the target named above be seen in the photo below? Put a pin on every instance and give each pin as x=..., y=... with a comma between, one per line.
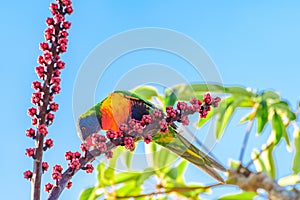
x=115, y=110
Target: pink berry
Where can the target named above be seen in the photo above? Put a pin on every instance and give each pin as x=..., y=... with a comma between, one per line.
x=28, y=174
x=45, y=166
x=30, y=132
x=48, y=187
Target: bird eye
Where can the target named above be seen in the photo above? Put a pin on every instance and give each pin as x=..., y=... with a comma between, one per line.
x=83, y=128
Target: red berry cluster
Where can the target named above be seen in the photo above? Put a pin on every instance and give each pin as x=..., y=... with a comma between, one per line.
x=134, y=129
x=48, y=71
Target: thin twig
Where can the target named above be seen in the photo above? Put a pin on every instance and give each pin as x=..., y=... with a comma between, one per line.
x=259, y=154
x=246, y=138
x=169, y=190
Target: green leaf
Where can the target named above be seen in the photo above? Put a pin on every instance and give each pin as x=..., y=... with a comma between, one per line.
x=100, y=174
x=243, y=195
x=146, y=92
x=234, y=163
x=289, y=180
x=259, y=163
x=144, y=176
x=89, y=194
x=228, y=107
x=262, y=116
x=283, y=109
x=270, y=162
x=266, y=161
x=126, y=156
x=210, y=114
x=249, y=116
x=170, y=98
x=164, y=159
x=129, y=189
x=185, y=92
x=269, y=94
x=181, y=167
x=277, y=127
x=296, y=160
x=126, y=176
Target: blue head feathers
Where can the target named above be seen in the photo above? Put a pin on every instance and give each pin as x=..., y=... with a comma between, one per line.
x=87, y=126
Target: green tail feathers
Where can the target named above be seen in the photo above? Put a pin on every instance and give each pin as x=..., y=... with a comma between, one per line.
x=183, y=148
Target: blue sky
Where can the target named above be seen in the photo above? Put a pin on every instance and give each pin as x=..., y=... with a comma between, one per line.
x=253, y=44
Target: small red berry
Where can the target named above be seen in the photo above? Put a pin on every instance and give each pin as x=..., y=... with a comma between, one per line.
x=53, y=8
x=64, y=33
x=147, y=138
x=182, y=106
x=129, y=143
x=109, y=154
x=89, y=168
x=60, y=64
x=146, y=119
x=36, y=98
x=76, y=154
x=30, y=152
x=75, y=164
x=58, y=18
x=40, y=70
x=44, y=46
x=66, y=25
x=57, y=168
x=69, y=185
x=41, y=60
x=34, y=121
x=37, y=85
x=48, y=57
x=48, y=143
x=84, y=147
x=55, y=89
x=54, y=107
x=69, y=10
x=50, y=117
x=67, y=2
x=31, y=111
x=30, y=132
x=56, y=73
x=45, y=166
x=101, y=146
x=49, y=21
x=48, y=187
x=56, y=176
x=171, y=112
x=123, y=127
x=163, y=126
x=42, y=129
x=62, y=48
x=68, y=155
x=55, y=81
x=28, y=174
x=185, y=120
x=207, y=99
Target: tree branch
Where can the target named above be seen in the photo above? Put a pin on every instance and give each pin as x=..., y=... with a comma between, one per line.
x=250, y=124
x=37, y=166
x=251, y=181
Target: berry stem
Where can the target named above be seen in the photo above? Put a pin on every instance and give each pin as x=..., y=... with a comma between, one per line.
x=39, y=140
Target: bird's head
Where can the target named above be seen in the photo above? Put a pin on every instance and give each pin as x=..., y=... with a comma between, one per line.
x=87, y=125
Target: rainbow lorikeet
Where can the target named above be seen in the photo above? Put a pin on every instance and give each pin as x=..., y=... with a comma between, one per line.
x=120, y=106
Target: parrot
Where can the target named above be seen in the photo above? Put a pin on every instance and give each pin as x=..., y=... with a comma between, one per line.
x=119, y=106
